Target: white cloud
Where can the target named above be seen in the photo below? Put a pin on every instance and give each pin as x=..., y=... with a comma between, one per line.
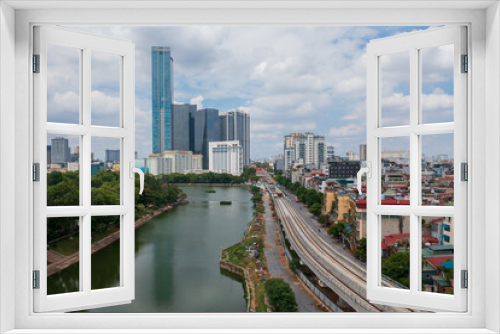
x=198, y=100
x=288, y=78
x=349, y=130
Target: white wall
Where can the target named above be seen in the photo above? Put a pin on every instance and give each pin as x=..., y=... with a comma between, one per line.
x=493, y=162
x=7, y=166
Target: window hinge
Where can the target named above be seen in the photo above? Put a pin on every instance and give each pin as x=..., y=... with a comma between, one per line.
x=464, y=171
x=36, y=279
x=36, y=63
x=36, y=172
x=465, y=64
x=465, y=279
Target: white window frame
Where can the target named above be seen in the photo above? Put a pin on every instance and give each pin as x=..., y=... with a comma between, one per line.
x=413, y=43
x=484, y=103
x=124, y=51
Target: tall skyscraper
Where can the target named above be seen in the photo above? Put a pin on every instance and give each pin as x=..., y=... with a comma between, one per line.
x=362, y=152
x=204, y=129
x=235, y=125
x=112, y=156
x=162, y=68
x=59, y=150
x=180, y=126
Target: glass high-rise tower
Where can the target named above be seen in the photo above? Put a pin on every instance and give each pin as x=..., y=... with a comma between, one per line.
x=235, y=125
x=162, y=72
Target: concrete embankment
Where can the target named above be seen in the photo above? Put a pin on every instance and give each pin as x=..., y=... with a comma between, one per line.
x=237, y=270
x=67, y=261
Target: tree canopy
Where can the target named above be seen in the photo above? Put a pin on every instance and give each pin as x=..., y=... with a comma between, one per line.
x=63, y=189
x=280, y=295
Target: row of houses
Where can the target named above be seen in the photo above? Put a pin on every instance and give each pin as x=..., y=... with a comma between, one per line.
x=343, y=204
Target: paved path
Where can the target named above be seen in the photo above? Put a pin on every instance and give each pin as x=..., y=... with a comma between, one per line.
x=278, y=266
x=53, y=256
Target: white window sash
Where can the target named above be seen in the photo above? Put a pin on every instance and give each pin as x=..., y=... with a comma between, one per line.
x=413, y=297
x=85, y=298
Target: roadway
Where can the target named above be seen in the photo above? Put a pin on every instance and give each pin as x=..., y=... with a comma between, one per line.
x=340, y=271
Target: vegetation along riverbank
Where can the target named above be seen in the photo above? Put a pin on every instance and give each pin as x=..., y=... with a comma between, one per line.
x=246, y=258
x=63, y=233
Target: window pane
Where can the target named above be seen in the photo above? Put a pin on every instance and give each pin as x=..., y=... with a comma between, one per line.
x=63, y=84
x=105, y=89
x=395, y=89
x=395, y=171
x=437, y=169
x=437, y=84
x=63, y=170
x=395, y=243
x=105, y=170
x=63, y=246
x=437, y=254
x=105, y=271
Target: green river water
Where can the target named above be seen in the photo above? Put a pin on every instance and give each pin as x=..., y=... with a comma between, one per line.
x=177, y=257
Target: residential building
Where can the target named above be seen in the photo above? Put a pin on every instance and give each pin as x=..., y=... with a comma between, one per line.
x=204, y=129
x=330, y=152
x=59, y=151
x=162, y=67
x=226, y=157
x=235, y=125
x=197, y=163
x=351, y=155
x=289, y=157
x=112, y=156
x=307, y=146
x=168, y=162
x=73, y=166
x=159, y=165
x=362, y=152
x=343, y=169
x=49, y=154
x=181, y=126
x=279, y=163
x=181, y=161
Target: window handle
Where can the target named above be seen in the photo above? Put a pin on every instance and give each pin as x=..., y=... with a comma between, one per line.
x=364, y=170
x=139, y=171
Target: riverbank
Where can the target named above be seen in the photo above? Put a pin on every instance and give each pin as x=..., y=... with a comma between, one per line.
x=211, y=184
x=246, y=259
x=63, y=262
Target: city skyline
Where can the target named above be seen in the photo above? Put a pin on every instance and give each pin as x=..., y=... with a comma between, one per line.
x=282, y=76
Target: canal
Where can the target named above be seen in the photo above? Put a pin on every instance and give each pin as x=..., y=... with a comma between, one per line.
x=177, y=257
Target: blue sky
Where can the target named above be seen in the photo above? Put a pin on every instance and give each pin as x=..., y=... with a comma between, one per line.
x=289, y=79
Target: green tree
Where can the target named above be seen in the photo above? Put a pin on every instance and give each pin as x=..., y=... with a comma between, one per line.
x=336, y=229
x=323, y=219
x=280, y=295
x=397, y=267
x=361, y=250
x=316, y=209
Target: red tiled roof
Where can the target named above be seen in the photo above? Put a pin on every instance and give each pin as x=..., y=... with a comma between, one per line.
x=436, y=261
x=394, y=238
x=430, y=239
x=384, y=245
